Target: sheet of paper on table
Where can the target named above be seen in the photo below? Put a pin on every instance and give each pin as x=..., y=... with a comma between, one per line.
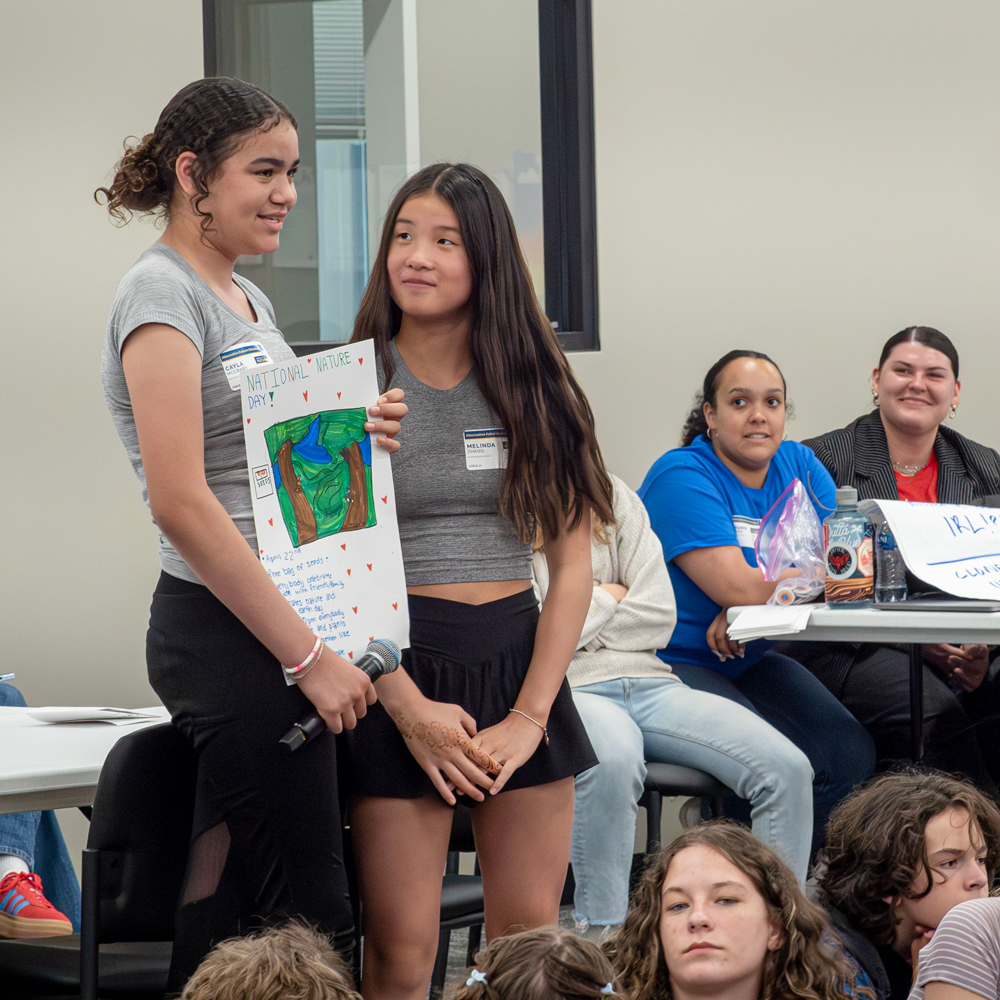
x=769, y=620
x=323, y=500
x=952, y=547
x=58, y=714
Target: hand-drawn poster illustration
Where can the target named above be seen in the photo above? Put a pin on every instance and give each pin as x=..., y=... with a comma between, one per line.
x=323, y=500
x=322, y=469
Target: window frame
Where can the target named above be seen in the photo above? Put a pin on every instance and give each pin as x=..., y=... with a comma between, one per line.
x=569, y=181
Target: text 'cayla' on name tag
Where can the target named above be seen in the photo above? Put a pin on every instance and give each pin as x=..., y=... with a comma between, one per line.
x=239, y=358
x=486, y=449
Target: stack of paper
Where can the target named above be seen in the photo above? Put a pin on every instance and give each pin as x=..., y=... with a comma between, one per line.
x=769, y=620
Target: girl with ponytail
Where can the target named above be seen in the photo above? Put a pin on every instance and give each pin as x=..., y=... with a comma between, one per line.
x=219, y=170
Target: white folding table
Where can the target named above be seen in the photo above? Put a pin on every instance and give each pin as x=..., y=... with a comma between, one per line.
x=56, y=766
x=911, y=628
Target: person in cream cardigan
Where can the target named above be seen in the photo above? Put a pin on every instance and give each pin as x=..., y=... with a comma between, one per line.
x=636, y=710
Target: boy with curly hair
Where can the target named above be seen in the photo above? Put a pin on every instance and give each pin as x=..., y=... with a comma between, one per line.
x=900, y=852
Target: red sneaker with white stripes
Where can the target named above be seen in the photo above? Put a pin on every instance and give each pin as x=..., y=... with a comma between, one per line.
x=25, y=912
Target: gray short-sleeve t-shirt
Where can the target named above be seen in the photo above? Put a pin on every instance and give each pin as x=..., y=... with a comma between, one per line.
x=964, y=951
x=162, y=288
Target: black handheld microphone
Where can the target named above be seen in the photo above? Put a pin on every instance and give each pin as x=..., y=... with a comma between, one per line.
x=381, y=657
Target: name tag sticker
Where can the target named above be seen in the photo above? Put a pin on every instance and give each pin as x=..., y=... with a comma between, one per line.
x=746, y=531
x=486, y=449
x=239, y=358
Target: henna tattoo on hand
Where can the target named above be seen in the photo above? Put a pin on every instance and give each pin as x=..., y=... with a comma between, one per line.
x=437, y=736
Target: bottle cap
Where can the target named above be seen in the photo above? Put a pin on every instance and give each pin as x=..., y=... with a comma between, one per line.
x=847, y=496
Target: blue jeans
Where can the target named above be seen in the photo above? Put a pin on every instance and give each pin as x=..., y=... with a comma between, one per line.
x=36, y=839
x=634, y=719
x=786, y=695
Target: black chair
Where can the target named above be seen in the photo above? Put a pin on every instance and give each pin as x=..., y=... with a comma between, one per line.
x=670, y=780
x=461, y=901
x=133, y=869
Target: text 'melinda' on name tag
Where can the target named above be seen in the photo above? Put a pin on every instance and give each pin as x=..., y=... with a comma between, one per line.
x=486, y=449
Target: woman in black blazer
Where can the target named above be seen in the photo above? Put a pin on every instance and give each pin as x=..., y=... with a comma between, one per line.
x=902, y=450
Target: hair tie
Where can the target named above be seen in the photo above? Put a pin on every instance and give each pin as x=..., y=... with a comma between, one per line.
x=475, y=976
x=606, y=991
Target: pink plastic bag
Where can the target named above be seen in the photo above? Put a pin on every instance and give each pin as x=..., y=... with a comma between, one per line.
x=790, y=536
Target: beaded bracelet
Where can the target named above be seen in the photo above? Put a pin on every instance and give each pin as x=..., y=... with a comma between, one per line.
x=296, y=673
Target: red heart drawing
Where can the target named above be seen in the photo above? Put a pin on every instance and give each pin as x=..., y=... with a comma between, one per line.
x=248, y=420
x=371, y=638
x=351, y=655
x=338, y=395
x=348, y=572
x=305, y=395
x=309, y=361
x=355, y=610
x=369, y=566
x=385, y=499
x=361, y=361
x=261, y=551
x=270, y=521
x=344, y=546
x=395, y=606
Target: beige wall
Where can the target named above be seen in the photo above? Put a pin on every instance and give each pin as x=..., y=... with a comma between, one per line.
x=800, y=178
x=78, y=550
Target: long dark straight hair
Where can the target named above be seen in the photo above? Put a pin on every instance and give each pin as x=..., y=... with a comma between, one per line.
x=555, y=472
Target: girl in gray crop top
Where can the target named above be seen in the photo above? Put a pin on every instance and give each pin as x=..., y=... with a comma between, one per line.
x=499, y=447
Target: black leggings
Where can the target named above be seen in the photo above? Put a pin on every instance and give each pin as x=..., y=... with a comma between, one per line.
x=266, y=842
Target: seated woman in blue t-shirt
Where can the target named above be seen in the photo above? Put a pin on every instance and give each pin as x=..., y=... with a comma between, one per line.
x=705, y=502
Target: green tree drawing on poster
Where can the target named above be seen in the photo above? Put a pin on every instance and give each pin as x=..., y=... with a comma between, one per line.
x=322, y=468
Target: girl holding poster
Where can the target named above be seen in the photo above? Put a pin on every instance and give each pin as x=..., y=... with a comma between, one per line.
x=499, y=446
x=219, y=168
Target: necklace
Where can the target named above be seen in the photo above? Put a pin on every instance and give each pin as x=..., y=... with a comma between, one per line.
x=909, y=470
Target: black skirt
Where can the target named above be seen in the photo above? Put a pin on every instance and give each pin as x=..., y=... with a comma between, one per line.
x=476, y=656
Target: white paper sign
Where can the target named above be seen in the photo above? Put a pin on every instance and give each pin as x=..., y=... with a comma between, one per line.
x=323, y=501
x=953, y=547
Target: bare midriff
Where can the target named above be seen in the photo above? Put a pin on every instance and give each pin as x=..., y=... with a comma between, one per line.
x=472, y=592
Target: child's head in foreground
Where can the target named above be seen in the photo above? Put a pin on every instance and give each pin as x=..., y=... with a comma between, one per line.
x=904, y=849
x=279, y=963
x=717, y=913
x=543, y=964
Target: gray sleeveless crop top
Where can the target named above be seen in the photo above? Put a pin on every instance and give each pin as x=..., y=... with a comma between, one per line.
x=446, y=477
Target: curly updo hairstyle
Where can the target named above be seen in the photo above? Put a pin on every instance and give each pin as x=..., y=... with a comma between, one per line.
x=696, y=424
x=210, y=118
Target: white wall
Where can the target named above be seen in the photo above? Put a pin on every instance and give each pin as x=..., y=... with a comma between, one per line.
x=799, y=178
x=78, y=549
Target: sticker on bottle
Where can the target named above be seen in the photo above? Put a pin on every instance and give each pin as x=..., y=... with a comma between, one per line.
x=486, y=449
x=239, y=358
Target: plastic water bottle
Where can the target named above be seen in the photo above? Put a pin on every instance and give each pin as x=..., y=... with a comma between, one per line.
x=890, y=570
x=847, y=537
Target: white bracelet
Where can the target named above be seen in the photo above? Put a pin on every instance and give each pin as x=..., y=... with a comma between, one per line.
x=298, y=672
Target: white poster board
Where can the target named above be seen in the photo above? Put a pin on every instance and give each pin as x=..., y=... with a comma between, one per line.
x=323, y=501
x=953, y=547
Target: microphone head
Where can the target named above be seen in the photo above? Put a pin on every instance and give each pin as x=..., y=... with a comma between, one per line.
x=386, y=651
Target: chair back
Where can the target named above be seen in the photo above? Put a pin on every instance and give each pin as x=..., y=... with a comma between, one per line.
x=141, y=831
